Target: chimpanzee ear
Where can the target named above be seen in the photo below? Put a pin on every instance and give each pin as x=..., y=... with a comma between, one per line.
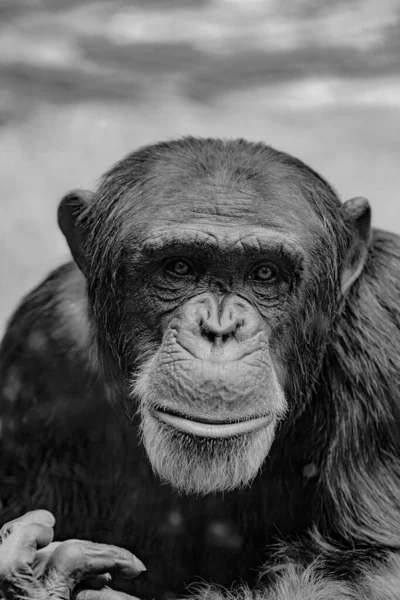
x=70, y=209
x=359, y=211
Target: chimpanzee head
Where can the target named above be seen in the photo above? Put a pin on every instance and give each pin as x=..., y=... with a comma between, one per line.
x=214, y=272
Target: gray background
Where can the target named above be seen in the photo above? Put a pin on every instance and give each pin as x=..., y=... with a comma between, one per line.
x=82, y=83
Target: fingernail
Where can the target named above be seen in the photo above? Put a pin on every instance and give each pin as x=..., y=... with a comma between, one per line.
x=139, y=565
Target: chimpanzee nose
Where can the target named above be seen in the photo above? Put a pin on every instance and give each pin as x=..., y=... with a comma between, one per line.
x=219, y=319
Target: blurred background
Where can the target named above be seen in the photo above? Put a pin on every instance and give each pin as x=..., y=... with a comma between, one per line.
x=84, y=82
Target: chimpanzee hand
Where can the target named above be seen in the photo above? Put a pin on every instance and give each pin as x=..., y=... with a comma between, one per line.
x=33, y=568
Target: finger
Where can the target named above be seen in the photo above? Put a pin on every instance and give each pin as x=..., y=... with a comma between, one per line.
x=18, y=550
x=97, y=582
x=17, y=553
x=79, y=559
x=33, y=516
x=36, y=516
x=104, y=594
x=42, y=557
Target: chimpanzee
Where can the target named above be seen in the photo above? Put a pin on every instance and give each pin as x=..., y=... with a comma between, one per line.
x=213, y=385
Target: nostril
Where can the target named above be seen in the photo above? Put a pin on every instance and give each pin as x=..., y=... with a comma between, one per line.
x=206, y=332
x=223, y=334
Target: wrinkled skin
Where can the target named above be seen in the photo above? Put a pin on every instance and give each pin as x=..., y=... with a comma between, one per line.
x=33, y=566
x=200, y=384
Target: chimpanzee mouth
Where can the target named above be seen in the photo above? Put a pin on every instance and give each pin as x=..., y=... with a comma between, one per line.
x=208, y=428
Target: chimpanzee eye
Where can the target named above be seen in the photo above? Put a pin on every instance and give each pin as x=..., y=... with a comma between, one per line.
x=179, y=267
x=264, y=273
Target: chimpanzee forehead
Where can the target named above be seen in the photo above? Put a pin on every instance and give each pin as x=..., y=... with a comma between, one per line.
x=220, y=201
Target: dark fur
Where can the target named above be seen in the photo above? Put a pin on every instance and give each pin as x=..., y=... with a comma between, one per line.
x=331, y=485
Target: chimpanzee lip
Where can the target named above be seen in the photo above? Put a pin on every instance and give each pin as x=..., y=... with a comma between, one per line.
x=210, y=428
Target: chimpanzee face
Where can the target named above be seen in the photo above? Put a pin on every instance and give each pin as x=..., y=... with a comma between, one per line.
x=220, y=315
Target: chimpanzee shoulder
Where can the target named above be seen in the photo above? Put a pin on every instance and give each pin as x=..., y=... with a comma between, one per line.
x=53, y=404
x=47, y=352
x=359, y=395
